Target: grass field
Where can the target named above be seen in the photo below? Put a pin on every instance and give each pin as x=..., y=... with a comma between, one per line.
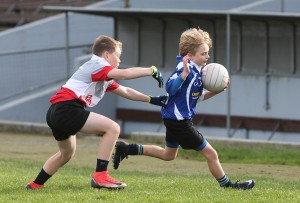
x=185, y=179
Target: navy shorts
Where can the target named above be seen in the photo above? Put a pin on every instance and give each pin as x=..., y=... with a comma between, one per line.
x=182, y=133
x=66, y=118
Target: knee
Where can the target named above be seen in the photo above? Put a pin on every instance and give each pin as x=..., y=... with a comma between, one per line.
x=115, y=129
x=210, y=154
x=213, y=155
x=68, y=155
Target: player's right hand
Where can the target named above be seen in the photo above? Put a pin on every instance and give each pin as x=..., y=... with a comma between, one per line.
x=156, y=74
x=158, y=100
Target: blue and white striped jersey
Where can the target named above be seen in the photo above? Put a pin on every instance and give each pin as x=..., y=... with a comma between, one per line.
x=182, y=105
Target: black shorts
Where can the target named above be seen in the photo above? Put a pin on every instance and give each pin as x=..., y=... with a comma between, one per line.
x=182, y=133
x=66, y=118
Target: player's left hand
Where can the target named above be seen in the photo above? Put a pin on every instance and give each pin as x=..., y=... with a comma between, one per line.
x=156, y=74
x=185, y=61
x=158, y=100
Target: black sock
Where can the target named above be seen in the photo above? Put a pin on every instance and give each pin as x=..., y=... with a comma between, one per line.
x=135, y=149
x=101, y=165
x=42, y=177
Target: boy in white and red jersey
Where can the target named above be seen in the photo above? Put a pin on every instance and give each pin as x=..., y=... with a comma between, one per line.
x=67, y=114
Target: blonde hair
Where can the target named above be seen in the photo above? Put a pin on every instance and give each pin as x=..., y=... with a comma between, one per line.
x=191, y=39
x=105, y=43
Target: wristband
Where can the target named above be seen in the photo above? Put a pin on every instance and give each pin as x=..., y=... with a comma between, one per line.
x=153, y=69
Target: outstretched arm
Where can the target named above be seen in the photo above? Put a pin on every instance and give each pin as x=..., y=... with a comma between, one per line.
x=135, y=95
x=129, y=73
x=131, y=94
x=136, y=72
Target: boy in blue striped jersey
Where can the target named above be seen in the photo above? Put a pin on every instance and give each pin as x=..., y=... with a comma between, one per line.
x=185, y=90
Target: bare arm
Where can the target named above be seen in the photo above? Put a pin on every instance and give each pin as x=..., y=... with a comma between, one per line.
x=129, y=73
x=209, y=94
x=131, y=94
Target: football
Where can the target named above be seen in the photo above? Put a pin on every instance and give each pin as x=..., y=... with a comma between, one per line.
x=214, y=77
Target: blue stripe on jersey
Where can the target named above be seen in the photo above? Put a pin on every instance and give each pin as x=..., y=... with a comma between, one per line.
x=176, y=85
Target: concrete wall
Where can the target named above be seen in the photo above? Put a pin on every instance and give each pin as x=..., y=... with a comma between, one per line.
x=33, y=63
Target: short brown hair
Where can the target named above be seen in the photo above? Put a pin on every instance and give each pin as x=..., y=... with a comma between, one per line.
x=105, y=43
x=191, y=39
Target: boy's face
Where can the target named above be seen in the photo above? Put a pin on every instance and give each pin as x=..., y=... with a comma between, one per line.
x=114, y=58
x=201, y=56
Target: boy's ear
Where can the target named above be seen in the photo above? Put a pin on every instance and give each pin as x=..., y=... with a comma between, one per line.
x=105, y=54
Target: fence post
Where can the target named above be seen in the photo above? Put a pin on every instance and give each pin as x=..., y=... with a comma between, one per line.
x=67, y=45
x=228, y=33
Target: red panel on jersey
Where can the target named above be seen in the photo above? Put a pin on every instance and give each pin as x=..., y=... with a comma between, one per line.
x=102, y=74
x=112, y=87
x=64, y=94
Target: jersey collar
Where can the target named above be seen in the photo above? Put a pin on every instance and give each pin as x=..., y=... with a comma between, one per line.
x=94, y=57
x=196, y=66
x=179, y=59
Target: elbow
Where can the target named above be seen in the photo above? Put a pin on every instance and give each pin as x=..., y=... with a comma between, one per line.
x=172, y=91
x=169, y=91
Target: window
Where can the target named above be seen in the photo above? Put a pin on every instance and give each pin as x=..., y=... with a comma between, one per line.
x=209, y=27
x=254, y=47
x=281, y=48
x=174, y=28
x=127, y=33
x=220, y=45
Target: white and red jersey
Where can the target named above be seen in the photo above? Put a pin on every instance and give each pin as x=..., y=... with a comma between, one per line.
x=88, y=84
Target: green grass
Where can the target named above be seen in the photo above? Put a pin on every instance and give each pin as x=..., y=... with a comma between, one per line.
x=186, y=179
x=72, y=184
x=260, y=155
